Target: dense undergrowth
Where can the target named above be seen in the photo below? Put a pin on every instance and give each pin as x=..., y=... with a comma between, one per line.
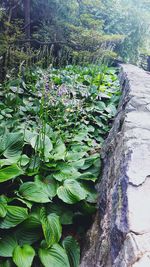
x=53, y=124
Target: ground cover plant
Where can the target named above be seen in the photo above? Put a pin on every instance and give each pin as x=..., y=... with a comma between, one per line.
x=53, y=124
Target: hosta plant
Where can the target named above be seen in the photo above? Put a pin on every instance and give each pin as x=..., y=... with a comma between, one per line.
x=53, y=124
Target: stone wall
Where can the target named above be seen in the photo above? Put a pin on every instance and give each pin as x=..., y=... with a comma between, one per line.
x=120, y=235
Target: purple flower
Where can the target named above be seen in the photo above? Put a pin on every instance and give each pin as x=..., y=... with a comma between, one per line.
x=62, y=90
x=47, y=87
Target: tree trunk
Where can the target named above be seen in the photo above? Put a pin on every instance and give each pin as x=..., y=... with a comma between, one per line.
x=27, y=18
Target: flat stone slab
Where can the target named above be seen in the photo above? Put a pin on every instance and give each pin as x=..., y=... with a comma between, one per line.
x=120, y=236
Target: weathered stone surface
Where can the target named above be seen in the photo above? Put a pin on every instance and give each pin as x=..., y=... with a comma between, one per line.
x=120, y=236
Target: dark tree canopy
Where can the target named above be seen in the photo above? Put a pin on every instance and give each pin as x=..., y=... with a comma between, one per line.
x=60, y=31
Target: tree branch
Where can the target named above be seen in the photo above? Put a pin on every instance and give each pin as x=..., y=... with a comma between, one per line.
x=11, y=10
x=49, y=43
x=40, y=42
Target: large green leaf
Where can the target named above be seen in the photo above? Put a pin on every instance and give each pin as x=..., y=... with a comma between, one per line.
x=59, y=151
x=48, y=184
x=24, y=201
x=48, y=146
x=66, y=172
x=73, y=251
x=7, y=245
x=13, y=145
x=42, y=144
x=10, y=172
x=92, y=194
x=111, y=109
x=28, y=135
x=3, y=210
x=54, y=257
x=3, y=140
x=15, y=215
x=87, y=176
x=51, y=227
x=100, y=105
x=89, y=161
x=7, y=162
x=24, y=160
x=65, y=213
x=71, y=192
x=23, y=256
x=74, y=156
x=82, y=135
x=78, y=164
x=29, y=231
x=36, y=192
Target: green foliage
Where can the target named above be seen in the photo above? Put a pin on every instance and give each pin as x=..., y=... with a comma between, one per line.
x=63, y=31
x=72, y=31
x=72, y=250
x=129, y=18
x=23, y=257
x=50, y=161
x=51, y=228
x=55, y=256
x=9, y=173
